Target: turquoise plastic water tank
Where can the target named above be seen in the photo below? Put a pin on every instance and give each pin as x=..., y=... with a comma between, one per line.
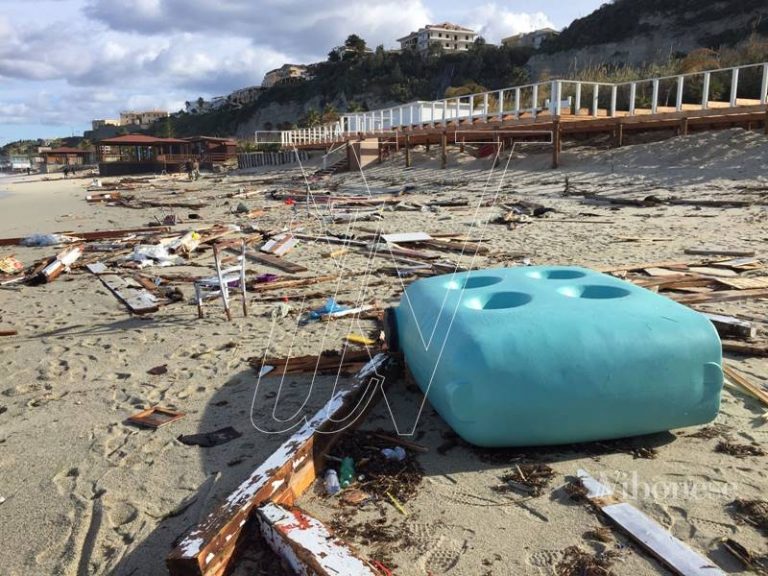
x=554, y=355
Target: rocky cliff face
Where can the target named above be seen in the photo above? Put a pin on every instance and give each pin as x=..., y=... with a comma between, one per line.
x=660, y=39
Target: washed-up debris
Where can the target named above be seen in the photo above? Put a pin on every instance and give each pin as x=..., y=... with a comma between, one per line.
x=330, y=361
x=57, y=266
x=186, y=244
x=330, y=307
x=754, y=512
x=358, y=339
x=10, y=265
x=530, y=479
x=404, y=237
x=737, y=379
x=210, y=439
x=751, y=560
x=656, y=539
x=739, y=450
x=710, y=432
x=308, y=544
x=577, y=562
x=355, y=497
x=153, y=255
x=382, y=477
x=155, y=417
x=8, y=333
x=599, y=534
x=47, y=240
x=280, y=245
x=158, y=370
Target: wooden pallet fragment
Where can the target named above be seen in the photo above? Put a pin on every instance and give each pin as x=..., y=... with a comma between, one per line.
x=208, y=549
x=653, y=537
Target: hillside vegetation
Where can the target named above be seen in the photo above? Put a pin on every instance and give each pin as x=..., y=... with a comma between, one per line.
x=621, y=40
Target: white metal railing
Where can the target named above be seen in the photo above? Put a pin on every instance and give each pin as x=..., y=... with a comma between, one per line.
x=741, y=86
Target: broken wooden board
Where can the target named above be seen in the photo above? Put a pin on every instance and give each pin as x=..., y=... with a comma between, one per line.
x=719, y=252
x=324, y=363
x=670, y=551
x=291, y=283
x=402, y=237
x=745, y=349
x=98, y=235
x=730, y=327
x=712, y=271
x=136, y=298
x=680, y=266
x=721, y=296
x=275, y=262
x=207, y=549
x=155, y=417
x=745, y=384
x=307, y=545
x=753, y=283
x=280, y=245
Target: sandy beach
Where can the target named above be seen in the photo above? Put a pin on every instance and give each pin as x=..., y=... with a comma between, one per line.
x=87, y=494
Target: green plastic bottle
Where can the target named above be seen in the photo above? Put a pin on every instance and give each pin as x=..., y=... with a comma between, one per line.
x=346, y=472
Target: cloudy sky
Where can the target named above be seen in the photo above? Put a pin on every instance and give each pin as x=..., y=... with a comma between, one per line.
x=66, y=62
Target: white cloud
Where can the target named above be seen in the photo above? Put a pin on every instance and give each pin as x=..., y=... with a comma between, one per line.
x=294, y=26
x=498, y=22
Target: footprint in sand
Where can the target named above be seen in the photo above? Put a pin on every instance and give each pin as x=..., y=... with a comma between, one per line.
x=545, y=559
x=440, y=547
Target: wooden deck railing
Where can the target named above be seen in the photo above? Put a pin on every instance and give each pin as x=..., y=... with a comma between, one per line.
x=733, y=87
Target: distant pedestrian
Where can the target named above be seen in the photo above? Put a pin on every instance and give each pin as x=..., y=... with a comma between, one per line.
x=188, y=168
x=196, y=169
x=29, y=171
x=66, y=171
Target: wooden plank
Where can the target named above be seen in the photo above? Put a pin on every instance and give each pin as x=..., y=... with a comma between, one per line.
x=208, y=548
x=754, y=283
x=307, y=545
x=745, y=349
x=730, y=327
x=661, y=544
x=745, y=384
x=275, y=262
x=98, y=235
x=631, y=267
x=721, y=296
x=670, y=551
x=712, y=271
x=718, y=252
x=402, y=237
x=136, y=299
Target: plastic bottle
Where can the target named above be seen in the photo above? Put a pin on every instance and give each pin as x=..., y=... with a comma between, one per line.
x=346, y=472
x=332, y=482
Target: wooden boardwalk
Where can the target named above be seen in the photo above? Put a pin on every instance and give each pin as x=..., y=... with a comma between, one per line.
x=697, y=101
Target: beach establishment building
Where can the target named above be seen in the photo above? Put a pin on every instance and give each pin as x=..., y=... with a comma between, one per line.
x=451, y=37
x=286, y=74
x=142, y=119
x=56, y=159
x=530, y=39
x=142, y=154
